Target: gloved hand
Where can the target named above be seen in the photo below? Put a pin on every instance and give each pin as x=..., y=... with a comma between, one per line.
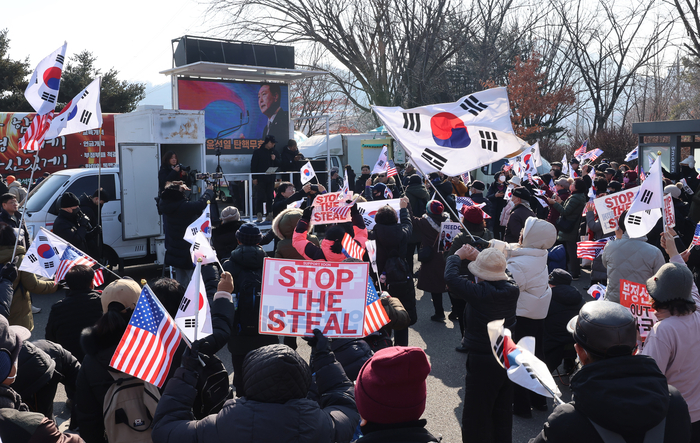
x=321, y=350
x=354, y=211
x=190, y=359
x=480, y=244
x=9, y=271
x=307, y=213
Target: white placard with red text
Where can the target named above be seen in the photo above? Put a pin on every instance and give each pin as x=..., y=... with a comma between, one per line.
x=299, y=296
x=634, y=296
x=609, y=207
x=669, y=211
x=323, y=214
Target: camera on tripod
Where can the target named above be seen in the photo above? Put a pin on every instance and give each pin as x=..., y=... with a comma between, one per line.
x=209, y=177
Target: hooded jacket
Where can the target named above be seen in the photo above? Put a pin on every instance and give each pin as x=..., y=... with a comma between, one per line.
x=307, y=249
x=626, y=395
x=527, y=262
x=69, y=316
x=26, y=282
x=565, y=304
x=223, y=238
x=269, y=418
x=283, y=226
x=631, y=259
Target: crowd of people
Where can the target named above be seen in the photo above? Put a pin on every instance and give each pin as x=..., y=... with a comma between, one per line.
x=515, y=260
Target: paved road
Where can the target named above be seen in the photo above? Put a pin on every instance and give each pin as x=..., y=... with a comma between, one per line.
x=445, y=383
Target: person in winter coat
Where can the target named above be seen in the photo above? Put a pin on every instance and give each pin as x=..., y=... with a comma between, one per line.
x=283, y=226
x=476, y=193
x=392, y=234
x=562, y=185
x=474, y=222
x=171, y=170
x=80, y=309
x=15, y=188
x=73, y=226
x=24, y=283
x=571, y=211
x=520, y=212
x=674, y=340
x=275, y=407
x=418, y=197
x=17, y=423
x=439, y=184
x=557, y=343
x=331, y=248
x=291, y=159
x=179, y=214
x=430, y=277
x=599, y=273
x=351, y=353
x=615, y=391
x=245, y=266
x=527, y=263
x=366, y=174
x=10, y=214
x=631, y=259
x=262, y=159
x=495, y=195
x=390, y=393
x=91, y=206
x=487, y=415
x=223, y=237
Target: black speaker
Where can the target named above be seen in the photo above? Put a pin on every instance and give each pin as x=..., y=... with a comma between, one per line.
x=192, y=49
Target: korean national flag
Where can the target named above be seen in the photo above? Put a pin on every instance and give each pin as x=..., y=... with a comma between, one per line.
x=455, y=137
x=195, y=297
x=42, y=91
x=381, y=165
x=307, y=173
x=202, y=224
x=646, y=207
x=202, y=249
x=81, y=114
x=44, y=255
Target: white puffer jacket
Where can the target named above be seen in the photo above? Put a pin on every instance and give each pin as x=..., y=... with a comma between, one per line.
x=527, y=262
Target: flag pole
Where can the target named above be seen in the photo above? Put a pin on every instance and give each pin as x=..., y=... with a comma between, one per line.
x=26, y=199
x=198, y=270
x=443, y=199
x=555, y=397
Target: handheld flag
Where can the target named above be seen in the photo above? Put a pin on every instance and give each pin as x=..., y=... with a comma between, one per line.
x=582, y=150
x=592, y=156
x=346, y=186
x=351, y=248
x=44, y=255
x=42, y=91
x=455, y=137
x=80, y=114
x=564, y=165
x=633, y=154
x=202, y=249
x=520, y=362
x=391, y=169
x=552, y=186
x=99, y=278
x=33, y=139
x=696, y=236
x=381, y=165
x=199, y=327
x=375, y=315
x=371, y=246
x=149, y=343
x=307, y=173
x=466, y=178
x=202, y=224
x=597, y=291
x=646, y=207
x=388, y=195
x=71, y=257
x=590, y=249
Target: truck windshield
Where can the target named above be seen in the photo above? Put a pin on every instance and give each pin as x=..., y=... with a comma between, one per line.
x=45, y=191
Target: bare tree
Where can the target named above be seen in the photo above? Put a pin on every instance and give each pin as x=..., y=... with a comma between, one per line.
x=608, y=46
x=689, y=13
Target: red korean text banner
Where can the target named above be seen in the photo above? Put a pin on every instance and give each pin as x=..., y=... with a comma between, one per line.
x=634, y=296
x=299, y=296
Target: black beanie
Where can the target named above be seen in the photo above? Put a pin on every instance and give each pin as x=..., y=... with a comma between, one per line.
x=335, y=234
x=68, y=200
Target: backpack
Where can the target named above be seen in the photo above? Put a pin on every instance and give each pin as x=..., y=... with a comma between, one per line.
x=247, y=317
x=212, y=387
x=128, y=409
x=395, y=269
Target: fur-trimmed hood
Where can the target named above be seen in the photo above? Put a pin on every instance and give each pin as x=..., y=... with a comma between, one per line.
x=286, y=221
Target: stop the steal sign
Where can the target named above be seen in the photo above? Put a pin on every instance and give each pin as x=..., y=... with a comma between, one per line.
x=299, y=296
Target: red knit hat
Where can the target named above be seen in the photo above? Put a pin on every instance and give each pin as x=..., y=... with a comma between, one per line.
x=473, y=214
x=391, y=386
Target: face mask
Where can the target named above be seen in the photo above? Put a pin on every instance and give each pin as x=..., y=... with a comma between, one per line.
x=502, y=179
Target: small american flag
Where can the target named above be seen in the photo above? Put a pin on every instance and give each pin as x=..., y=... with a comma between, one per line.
x=70, y=258
x=342, y=211
x=352, y=248
x=590, y=249
x=99, y=278
x=552, y=186
x=464, y=201
x=375, y=315
x=466, y=178
x=391, y=170
x=33, y=139
x=593, y=155
x=642, y=175
x=696, y=236
x=147, y=347
x=529, y=178
x=507, y=167
x=582, y=150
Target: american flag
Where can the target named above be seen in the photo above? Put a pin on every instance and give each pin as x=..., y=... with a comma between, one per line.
x=71, y=257
x=341, y=210
x=375, y=315
x=582, y=150
x=529, y=178
x=99, y=278
x=391, y=169
x=593, y=155
x=696, y=236
x=507, y=167
x=590, y=249
x=552, y=186
x=33, y=139
x=352, y=248
x=147, y=347
x=466, y=178
x=642, y=175
x=388, y=194
x=464, y=201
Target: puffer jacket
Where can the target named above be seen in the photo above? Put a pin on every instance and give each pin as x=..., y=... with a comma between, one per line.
x=308, y=250
x=527, y=262
x=565, y=304
x=179, y=214
x=572, y=209
x=69, y=316
x=283, y=226
x=332, y=419
x=26, y=282
x=15, y=188
x=223, y=238
x=463, y=238
x=631, y=259
x=486, y=301
x=626, y=395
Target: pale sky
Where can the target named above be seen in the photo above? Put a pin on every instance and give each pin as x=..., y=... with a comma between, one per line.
x=131, y=36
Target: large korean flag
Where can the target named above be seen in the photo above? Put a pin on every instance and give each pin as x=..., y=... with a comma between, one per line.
x=42, y=90
x=80, y=114
x=454, y=138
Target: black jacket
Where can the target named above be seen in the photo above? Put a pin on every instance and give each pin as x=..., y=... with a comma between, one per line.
x=288, y=164
x=69, y=316
x=89, y=208
x=179, y=214
x=566, y=302
x=516, y=222
x=14, y=222
x=486, y=301
x=332, y=419
x=360, y=183
x=626, y=395
x=407, y=432
x=223, y=238
x=168, y=174
x=261, y=160
x=280, y=202
x=75, y=228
